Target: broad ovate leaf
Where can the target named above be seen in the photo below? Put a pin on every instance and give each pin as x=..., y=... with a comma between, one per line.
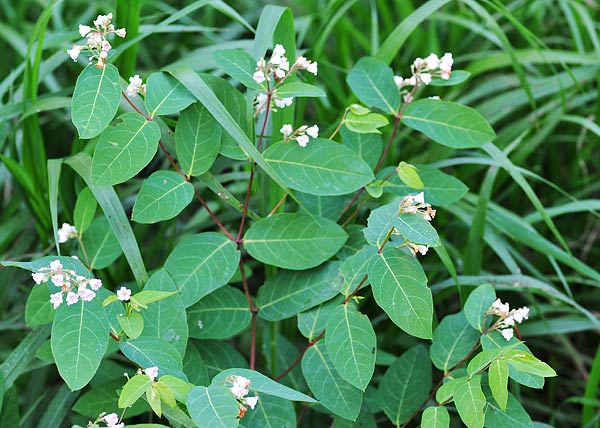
x=239, y=65
x=294, y=241
x=95, y=99
x=368, y=146
x=400, y=289
x=298, y=89
x=447, y=123
x=323, y=167
x=452, y=341
x=124, y=149
x=470, y=401
x=372, y=81
x=435, y=417
x=166, y=95
x=416, y=229
x=163, y=195
x=477, y=304
x=214, y=407
x=79, y=340
x=149, y=352
x=201, y=263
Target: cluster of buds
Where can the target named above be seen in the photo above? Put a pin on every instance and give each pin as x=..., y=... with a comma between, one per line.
x=240, y=387
x=97, y=44
x=136, y=86
x=507, y=317
x=272, y=73
x=301, y=135
x=423, y=70
x=66, y=232
x=74, y=286
x=416, y=205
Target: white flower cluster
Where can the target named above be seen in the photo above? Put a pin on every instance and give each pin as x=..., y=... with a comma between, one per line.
x=112, y=421
x=275, y=71
x=423, y=70
x=240, y=387
x=74, y=286
x=136, y=86
x=507, y=317
x=66, y=232
x=96, y=39
x=415, y=204
x=301, y=135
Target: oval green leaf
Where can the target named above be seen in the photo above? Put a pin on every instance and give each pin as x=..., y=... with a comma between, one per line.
x=435, y=417
x=124, y=149
x=214, y=407
x=368, y=146
x=132, y=324
x=372, y=81
x=163, y=195
x=416, y=229
x=95, y=99
x=298, y=89
x=452, y=341
x=133, y=390
x=321, y=168
x=101, y=245
x=149, y=352
x=166, y=95
x=294, y=241
x=85, y=210
x=470, y=402
x=478, y=302
x=239, y=65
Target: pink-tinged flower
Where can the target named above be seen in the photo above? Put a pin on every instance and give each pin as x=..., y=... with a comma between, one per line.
x=124, y=294
x=112, y=421
x=284, y=64
x=507, y=333
x=280, y=73
x=278, y=50
x=302, y=140
x=151, y=372
x=445, y=75
x=251, y=402
x=103, y=20
x=58, y=280
x=85, y=294
x=426, y=78
x=286, y=130
x=72, y=298
x=301, y=63
x=74, y=52
x=419, y=198
x=521, y=314
x=399, y=81
x=422, y=249
x=38, y=277
x=56, y=299
x=106, y=46
x=135, y=86
x=95, y=284
x=121, y=32
x=509, y=321
x=261, y=102
x=84, y=30
x=259, y=76
x=238, y=391
x=432, y=61
x=56, y=265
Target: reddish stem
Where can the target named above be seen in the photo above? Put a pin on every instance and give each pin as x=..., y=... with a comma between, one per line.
x=253, y=311
x=351, y=295
x=297, y=360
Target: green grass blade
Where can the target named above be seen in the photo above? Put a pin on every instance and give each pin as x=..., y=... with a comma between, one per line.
x=19, y=359
x=54, y=167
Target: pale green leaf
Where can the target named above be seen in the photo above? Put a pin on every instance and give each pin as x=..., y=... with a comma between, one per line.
x=452, y=341
x=365, y=124
x=525, y=362
x=456, y=77
x=380, y=223
x=85, y=210
x=298, y=89
x=132, y=324
x=470, y=402
x=409, y=175
x=38, y=309
x=498, y=380
x=133, y=390
x=101, y=245
x=435, y=417
x=149, y=352
x=163, y=195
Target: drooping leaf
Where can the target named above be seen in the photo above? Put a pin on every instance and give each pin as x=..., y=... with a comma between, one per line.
x=100, y=244
x=132, y=324
x=288, y=293
x=470, y=402
x=294, y=241
x=400, y=289
x=525, y=362
x=95, y=99
x=201, y=263
x=452, y=341
x=214, y=406
x=197, y=139
x=103, y=396
x=456, y=77
x=405, y=385
x=478, y=302
x=450, y=124
x=351, y=345
x=372, y=81
x=150, y=352
x=435, y=417
x=166, y=95
x=323, y=167
x=179, y=388
x=239, y=65
x=85, y=210
x=416, y=229
x=333, y=392
x=163, y=195
x=220, y=315
x=79, y=340
x=124, y=149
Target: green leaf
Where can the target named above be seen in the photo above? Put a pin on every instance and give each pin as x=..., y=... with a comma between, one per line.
x=450, y=124
x=333, y=392
x=133, y=390
x=85, y=210
x=440, y=189
x=239, y=65
x=452, y=341
x=498, y=380
x=95, y=99
x=409, y=175
x=289, y=292
x=262, y=383
x=100, y=244
x=194, y=366
x=323, y=206
x=456, y=77
x=405, y=385
x=214, y=406
x=144, y=298
x=79, y=341
x=313, y=322
x=445, y=392
x=435, y=417
x=372, y=81
x=513, y=416
x=149, y=352
x=201, y=263
x=179, y=388
x=220, y=315
x=416, y=229
x=104, y=396
x=294, y=241
x=271, y=412
x=351, y=344
x=219, y=356
x=298, y=89
x=470, y=402
x=163, y=195
x=279, y=355
x=165, y=319
x=368, y=146
x=321, y=168
x=483, y=359
x=197, y=140
x=400, y=289
x=38, y=309
x=355, y=268
x=36, y=265
x=380, y=222
x=166, y=95
x=525, y=362
x=478, y=302
x=165, y=393
x=124, y=150
x=365, y=124
x=132, y=324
